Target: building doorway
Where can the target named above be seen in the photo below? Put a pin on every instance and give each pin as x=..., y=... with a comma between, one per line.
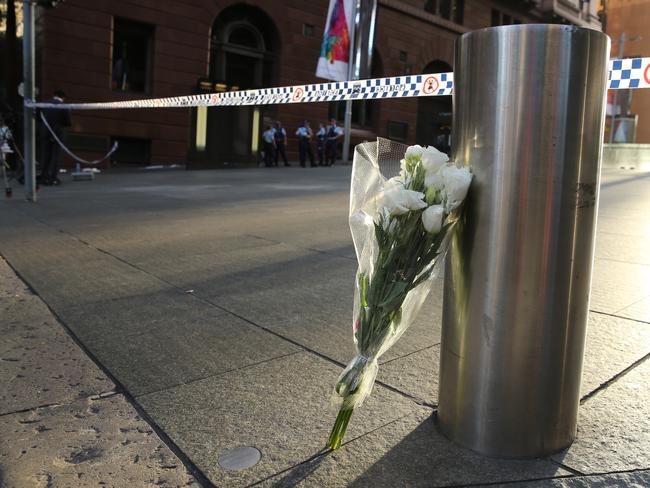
x=435, y=115
x=244, y=46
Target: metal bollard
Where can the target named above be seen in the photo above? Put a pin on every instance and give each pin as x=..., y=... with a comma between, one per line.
x=529, y=107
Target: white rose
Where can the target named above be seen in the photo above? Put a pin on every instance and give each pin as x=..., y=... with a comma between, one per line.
x=457, y=181
x=432, y=218
x=398, y=200
x=414, y=152
x=433, y=160
x=434, y=180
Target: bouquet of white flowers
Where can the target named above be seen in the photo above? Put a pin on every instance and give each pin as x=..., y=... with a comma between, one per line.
x=399, y=228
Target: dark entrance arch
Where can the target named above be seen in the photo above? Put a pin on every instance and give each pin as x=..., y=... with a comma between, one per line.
x=435, y=115
x=244, y=46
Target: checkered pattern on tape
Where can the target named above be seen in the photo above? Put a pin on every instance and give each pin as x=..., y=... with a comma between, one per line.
x=623, y=73
x=628, y=73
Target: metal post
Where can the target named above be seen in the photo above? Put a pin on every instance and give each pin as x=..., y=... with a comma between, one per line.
x=352, y=62
x=28, y=113
x=529, y=108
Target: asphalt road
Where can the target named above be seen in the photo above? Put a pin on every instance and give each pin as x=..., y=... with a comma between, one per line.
x=220, y=302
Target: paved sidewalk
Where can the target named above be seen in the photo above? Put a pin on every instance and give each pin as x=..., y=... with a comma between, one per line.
x=62, y=424
x=220, y=301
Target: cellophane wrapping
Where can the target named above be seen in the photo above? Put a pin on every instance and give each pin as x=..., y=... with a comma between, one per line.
x=397, y=254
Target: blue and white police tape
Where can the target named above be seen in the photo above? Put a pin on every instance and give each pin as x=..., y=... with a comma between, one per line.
x=395, y=87
x=623, y=73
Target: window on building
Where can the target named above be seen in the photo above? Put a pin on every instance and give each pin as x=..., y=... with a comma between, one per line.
x=447, y=9
x=132, y=55
x=496, y=18
x=501, y=18
x=244, y=35
x=308, y=30
x=362, y=112
x=398, y=131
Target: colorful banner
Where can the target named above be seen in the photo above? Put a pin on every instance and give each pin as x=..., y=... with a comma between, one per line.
x=333, y=63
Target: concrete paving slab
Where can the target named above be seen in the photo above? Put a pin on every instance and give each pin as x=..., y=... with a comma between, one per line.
x=617, y=248
x=39, y=362
x=166, y=242
x=635, y=479
x=66, y=272
x=281, y=408
x=409, y=452
x=88, y=443
x=637, y=311
x=614, y=427
x=617, y=221
x=613, y=344
x=226, y=272
x=617, y=285
x=170, y=309
x=323, y=322
x=166, y=357
x=416, y=374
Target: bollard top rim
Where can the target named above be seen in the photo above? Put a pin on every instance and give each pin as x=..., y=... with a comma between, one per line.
x=536, y=27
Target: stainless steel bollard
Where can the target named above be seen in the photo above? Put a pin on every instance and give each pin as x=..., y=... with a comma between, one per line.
x=528, y=118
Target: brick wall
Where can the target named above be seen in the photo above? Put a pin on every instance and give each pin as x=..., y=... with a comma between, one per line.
x=633, y=18
x=75, y=54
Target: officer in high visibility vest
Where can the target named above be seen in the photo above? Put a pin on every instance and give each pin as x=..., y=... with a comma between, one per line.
x=305, y=134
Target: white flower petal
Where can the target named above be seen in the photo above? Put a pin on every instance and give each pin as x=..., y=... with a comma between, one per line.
x=414, y=152
x=433, y=160
x=432, y=218
x=456, y=181
x=398, y=200
x=434, y=180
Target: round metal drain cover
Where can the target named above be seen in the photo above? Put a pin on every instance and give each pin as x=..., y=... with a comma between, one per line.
x=239, y=458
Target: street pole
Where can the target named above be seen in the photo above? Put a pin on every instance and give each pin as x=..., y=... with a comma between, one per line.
x=28, y=95
x=352, y=62
x=621, y=43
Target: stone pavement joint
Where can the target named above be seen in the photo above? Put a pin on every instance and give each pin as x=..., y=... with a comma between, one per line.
x=619, y=316
x=615, y=378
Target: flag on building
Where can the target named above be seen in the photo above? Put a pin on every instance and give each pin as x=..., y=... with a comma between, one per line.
x=335, y=51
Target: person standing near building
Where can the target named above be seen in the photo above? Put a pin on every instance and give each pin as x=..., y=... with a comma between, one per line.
x=5, y=136
x=58, y=120
x=280, y=143
x=333, y=134
x=305, y=134
x=269, y=146
x=322, y=136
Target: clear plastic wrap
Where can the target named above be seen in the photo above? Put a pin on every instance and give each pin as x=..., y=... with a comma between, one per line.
x=403, y=202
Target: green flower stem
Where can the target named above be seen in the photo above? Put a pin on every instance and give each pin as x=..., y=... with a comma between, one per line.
x=340, y=426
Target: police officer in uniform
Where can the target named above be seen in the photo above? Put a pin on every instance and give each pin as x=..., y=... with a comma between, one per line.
x=58, y=120
x=305, y=134
x=322, y=136
x=280, y=143
x=333, y=134
x=269, y=146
